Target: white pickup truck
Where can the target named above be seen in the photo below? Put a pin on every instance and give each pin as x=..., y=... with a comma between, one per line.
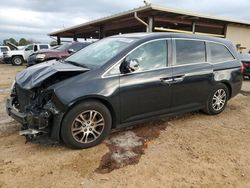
x=3, y=49
x=18, y=57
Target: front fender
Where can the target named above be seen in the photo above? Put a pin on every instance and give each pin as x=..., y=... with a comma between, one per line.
x=78, y=89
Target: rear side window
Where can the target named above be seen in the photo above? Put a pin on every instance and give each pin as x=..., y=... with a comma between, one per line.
x=219, y=53
x=190, y=51
x=44, y=46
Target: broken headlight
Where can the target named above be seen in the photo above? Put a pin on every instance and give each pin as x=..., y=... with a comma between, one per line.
x=46, y=95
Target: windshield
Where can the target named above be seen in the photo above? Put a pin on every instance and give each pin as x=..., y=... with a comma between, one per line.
x=97, y=54
x=63, y=46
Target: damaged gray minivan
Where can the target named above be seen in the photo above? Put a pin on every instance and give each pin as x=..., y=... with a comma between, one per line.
x=123, y=80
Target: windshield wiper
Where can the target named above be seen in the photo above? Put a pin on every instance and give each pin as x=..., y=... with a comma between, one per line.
x=76, y=64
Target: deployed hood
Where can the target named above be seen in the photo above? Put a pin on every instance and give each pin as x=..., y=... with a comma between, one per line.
x=36, y=75
x=12, y=45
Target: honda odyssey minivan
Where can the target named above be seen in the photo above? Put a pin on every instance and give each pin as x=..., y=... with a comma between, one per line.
x=123, y=80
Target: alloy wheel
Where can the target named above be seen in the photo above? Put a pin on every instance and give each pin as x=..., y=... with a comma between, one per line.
x=219, y=99
x=87, y=126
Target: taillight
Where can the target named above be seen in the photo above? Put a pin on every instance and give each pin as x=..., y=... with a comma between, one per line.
x=246, y=65
x=241, y=68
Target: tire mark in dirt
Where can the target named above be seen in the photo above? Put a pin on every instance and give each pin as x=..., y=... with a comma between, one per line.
x=126, y=148
x=245, y=93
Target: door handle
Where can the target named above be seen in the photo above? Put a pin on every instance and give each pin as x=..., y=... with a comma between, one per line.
x=174, y=80
x=167, y=80
x=178, y=78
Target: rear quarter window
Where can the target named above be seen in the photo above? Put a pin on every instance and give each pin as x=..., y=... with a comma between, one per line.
x=219, y=53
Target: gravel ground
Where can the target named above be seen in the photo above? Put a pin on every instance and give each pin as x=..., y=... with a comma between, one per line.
x=191, y=150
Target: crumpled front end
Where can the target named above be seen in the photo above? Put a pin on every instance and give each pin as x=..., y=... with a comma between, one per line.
x=35, y=110
x=33, y=102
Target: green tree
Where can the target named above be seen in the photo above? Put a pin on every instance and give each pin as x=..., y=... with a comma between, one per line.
x=23, y=42
x=13, y=41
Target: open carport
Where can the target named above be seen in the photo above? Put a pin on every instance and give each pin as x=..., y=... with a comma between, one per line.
x=153, y=18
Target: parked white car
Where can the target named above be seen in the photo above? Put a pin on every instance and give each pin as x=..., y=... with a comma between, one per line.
x=18, y=57
x=3, y=49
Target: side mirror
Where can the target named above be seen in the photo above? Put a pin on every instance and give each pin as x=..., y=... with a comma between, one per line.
x=129, y=66
x=71, y=51
x=27, y=49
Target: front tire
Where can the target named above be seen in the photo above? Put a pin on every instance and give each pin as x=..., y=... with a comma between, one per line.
x=17, y=60
x=86, y=125
x=217, y=100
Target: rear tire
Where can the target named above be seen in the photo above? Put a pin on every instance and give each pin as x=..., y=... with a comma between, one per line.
x=217, y=100
x=17, y=60
x=86, y=125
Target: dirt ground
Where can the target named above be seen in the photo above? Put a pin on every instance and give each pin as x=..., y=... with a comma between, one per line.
x=191, y=150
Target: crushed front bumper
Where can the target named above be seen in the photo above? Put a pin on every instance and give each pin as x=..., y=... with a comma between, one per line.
x=20, y=117
x=46, y=121
x=30, y=120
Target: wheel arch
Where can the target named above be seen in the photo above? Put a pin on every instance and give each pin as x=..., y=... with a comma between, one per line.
x=100, y=99
x=229, y=87
x=17, y=56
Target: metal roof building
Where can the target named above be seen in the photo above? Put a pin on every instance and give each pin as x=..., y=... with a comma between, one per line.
x=154, y=18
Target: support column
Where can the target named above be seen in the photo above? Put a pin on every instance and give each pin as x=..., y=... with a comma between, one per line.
x=150, y=27
x=225, y=30
x=75, y=38
x=58, y=40
x=84, y=36
x=101, y=32
x=193, y=27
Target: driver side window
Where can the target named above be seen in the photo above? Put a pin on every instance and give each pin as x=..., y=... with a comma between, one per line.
x=150, y=56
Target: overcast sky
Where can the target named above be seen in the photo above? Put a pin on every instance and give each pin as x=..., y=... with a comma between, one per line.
x=34, y=19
